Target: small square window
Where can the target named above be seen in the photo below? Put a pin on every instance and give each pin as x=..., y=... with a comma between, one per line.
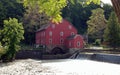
x=61, y=33
x=78, y=44
x=50, y=41
x=61, y=41
x=72, y=33
x=50, y=33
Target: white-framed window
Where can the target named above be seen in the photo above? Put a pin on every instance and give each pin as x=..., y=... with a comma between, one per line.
x=50, y=33
x=70, y=44
x=61, y=33
x=50, y=41
x=53, y=26
x=72, y=33
x=78, y=43
x=70, y=27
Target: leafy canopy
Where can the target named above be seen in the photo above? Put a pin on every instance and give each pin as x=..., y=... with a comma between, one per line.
x=97, y=24
x=52, y=8
x=78, y=14
x=94, y=1
x=12, y=35
x=112, y=31
x=12, y=30
x=10, y=8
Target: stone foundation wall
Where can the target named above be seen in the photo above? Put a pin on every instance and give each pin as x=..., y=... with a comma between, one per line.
x=34, y=54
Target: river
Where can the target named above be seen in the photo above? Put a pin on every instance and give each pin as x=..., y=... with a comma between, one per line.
x=59, y=67
x=81, y=67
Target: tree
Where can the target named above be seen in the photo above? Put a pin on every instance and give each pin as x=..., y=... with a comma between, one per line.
x=116, y=5
x=78, y=14
x=96, y=24
x=112, y=31
x=32, y=21
x=107, y=10
x=10, y=8
x=94, y=1
x=52, y=8
x=12, y=35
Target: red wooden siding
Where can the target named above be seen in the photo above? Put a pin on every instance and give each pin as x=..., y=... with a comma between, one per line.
x=75, y=41
x=57, y=34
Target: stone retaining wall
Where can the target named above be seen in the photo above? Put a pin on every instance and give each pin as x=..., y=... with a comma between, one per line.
x=24, y=54
x=111, y=58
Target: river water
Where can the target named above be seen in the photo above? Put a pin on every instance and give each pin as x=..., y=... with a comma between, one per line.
x=59, y=67
x=81, y=67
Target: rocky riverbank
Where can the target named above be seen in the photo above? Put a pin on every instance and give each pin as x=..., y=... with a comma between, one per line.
x=23, y=67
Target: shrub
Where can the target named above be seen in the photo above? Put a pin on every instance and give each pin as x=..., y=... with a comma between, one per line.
x=12, y=35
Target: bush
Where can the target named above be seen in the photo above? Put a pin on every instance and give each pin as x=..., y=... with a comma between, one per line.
x=2, y=50
x=97, y=42
x=12, y=35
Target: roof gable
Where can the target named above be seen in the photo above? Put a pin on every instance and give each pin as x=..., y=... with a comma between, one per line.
x=63, y=22
x=74, y=36
x=43, y=27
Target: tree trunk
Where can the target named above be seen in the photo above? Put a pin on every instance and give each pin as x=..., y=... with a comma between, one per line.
x=116, y=5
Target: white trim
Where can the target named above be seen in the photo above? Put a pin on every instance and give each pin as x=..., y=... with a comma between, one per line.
x=70, y=27
x=53, y=26
x=50, y=33
x=61, y=33
x=43, y=33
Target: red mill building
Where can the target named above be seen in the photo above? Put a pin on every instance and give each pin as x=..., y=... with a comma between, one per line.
x=60, y=36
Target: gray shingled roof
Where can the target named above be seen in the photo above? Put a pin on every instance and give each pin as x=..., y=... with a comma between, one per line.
x=43, y=27
x=71, y=37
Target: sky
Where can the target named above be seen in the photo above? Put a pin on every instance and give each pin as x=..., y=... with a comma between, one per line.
x=107, y=1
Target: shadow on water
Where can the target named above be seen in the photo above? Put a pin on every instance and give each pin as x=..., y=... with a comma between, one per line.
x=55, y=60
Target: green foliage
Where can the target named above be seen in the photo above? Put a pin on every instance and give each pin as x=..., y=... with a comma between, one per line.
x=86, y=2
x=51, y=8
x=10, y=8
x=112, y=32
x=13, y=34
x=77, y=14
x=107, y=10
x=94, y=1
x=2, y=50
x=96, y=24
x=32, y=21
x=97, y=42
